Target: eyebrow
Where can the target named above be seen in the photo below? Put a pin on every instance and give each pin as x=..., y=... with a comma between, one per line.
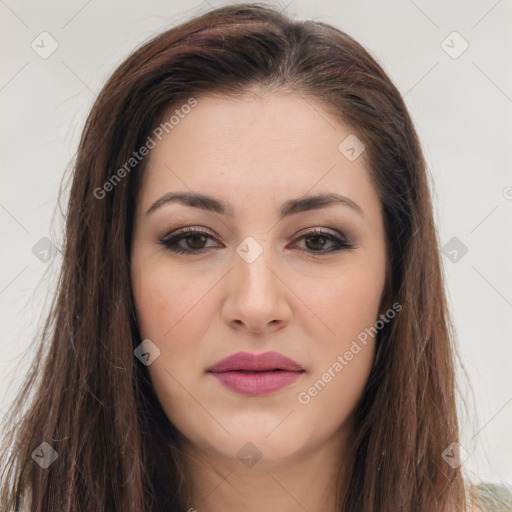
x=290, y=207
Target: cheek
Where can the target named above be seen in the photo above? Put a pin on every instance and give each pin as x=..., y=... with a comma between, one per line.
x=343, y=358
x=174, y=312
x=342, y=367
x=172, y=315
x=166, y=300
x=343, y=304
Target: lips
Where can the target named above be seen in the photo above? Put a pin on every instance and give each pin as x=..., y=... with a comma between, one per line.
x=256, y=374
x=246, y=361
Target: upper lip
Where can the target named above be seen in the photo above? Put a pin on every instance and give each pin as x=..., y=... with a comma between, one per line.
x=255, y=362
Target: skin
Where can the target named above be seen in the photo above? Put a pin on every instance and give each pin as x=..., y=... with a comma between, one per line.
x=256, y=152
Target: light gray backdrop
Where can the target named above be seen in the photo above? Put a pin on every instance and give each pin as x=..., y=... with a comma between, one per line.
x=451, y=61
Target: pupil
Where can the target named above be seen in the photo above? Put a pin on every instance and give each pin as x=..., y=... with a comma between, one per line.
x=317, y=238
x=202, y=238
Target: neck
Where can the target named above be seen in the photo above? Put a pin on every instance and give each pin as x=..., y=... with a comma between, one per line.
x=307, y=481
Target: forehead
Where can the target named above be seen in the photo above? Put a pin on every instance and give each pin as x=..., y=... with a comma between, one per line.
x=272, y=146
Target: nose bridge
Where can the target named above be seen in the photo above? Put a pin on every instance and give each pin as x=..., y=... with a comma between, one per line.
x=253, y=259
x=255, y=292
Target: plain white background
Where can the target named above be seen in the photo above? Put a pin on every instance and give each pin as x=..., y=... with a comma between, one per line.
x=460, y=101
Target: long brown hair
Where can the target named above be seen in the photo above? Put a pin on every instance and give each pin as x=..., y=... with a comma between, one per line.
x=92, y=400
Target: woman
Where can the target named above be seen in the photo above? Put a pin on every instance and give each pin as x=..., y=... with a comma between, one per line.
x=251, y=310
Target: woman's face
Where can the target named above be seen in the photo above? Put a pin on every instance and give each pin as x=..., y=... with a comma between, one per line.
x=257, y=278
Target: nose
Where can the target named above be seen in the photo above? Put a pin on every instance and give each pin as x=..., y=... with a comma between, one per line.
x=256, y=297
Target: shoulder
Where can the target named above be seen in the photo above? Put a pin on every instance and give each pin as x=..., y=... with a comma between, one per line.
x=491, y=497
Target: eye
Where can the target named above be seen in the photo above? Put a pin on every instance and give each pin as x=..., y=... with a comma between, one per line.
x=194, y=240
x=316, y=240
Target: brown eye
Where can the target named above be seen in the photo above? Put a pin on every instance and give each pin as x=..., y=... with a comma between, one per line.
x=194, y=241
x=187, y=241
x=197, y=241
x=317, y=241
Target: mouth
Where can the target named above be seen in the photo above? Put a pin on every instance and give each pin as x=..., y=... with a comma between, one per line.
x=246, y=361
x=257, y=371
x=256, y=383
x=256, y=374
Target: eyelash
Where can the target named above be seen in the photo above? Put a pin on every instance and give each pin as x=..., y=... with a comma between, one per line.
x=169, y=241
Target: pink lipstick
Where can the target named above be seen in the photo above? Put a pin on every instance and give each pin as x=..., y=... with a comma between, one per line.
x=256, y=374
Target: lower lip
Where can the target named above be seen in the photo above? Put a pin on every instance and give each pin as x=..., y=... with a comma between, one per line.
x=257, y=383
